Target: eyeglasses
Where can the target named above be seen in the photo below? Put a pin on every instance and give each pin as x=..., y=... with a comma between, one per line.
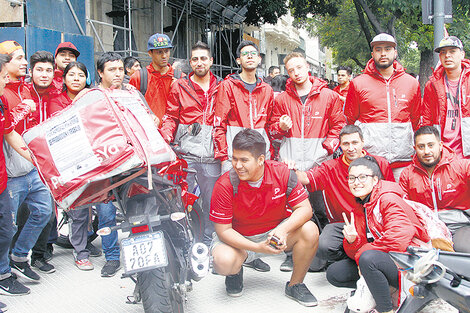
x=247, y=53
x=362, y=178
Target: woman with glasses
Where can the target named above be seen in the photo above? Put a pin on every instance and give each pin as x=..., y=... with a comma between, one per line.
x=381, y=222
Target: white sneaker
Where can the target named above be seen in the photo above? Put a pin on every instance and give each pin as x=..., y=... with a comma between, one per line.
x=362, y=301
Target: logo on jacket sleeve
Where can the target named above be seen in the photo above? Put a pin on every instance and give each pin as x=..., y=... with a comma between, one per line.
x=217, y=121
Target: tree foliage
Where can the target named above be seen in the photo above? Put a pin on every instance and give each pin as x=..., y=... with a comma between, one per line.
x=261, y=11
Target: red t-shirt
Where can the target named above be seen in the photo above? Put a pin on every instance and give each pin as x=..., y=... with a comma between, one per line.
x=6, y=127
x=255, y=210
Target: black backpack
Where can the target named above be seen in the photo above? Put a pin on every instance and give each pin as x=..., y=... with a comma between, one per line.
x=144, y=76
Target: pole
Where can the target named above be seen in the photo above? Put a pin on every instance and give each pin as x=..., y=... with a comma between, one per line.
x=438, y=26
x=129, y=12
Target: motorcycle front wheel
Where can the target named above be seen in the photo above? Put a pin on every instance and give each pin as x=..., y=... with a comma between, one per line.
x=157, y=287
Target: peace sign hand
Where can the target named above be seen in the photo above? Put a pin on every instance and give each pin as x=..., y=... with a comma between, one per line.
x=349, y=229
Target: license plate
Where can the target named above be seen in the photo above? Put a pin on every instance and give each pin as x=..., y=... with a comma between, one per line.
x=144, y=252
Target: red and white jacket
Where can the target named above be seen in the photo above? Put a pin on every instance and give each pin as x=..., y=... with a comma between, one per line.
x=42, y=102
x=316, y=124
x=435, y=103
x=448, y=188
x=391, y=221
x=331, y=178
x=22, y=118
x=184, y=108
x=387, y=111
x=236, y=109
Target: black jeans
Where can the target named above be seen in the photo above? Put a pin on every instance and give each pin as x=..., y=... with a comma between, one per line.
x=330, y=247
x=378, y=270
x=40, y=247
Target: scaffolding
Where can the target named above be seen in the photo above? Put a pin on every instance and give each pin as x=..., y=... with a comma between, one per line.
x=212, y=21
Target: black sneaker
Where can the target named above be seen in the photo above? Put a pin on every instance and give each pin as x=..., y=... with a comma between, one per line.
x=110, y=268
x=287, y=265
x=234, y=284
x=301, y=294
x=258, y=265
x=11, y=287
x=94, y=251
x=23, y=269
x=49, y=252
x=43, y=265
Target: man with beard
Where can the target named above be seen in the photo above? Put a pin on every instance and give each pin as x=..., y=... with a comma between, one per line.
x=444, y=103
x=385, y=102
x=188, y=123
x=440, y=180
x=65, y=53
x=42, y=90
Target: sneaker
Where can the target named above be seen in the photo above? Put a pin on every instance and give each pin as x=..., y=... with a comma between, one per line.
x=258, y=265
x=11, y=287
x=110, y=268
x=287, y=265
x=234, y=284
x=94, y=251
x=23, y=269
x=84, y=264
x=362, y=300
x=49, y=252
x=3, y=307
x=43, y=265
x=301, y=294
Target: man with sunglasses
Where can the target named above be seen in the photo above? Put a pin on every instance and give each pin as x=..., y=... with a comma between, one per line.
x=188, y=123
x=244, y=101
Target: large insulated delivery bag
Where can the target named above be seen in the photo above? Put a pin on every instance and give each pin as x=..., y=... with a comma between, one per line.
x=102, y=134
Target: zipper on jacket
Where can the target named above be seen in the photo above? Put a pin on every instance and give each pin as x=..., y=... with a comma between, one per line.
x=433, y=193
x=251, y=112
x=387, y=84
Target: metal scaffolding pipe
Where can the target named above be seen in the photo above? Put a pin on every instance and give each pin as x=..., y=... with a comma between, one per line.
x=130, y=25
x=75, y=18
x=96, y=35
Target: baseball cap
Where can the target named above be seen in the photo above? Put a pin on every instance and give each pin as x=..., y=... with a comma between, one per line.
x=159, y=41
x=67, y=46
x=9, y=46
x=383, y=38
x=449, y=41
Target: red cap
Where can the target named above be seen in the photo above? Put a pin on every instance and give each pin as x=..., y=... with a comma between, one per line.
x=67, y=46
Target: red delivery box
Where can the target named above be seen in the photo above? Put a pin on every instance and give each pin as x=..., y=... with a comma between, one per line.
x=102, y=134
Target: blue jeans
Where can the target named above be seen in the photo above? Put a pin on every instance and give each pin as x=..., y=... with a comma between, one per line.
x=6, y=234
x=30, y=190
x=79, y=231
x=107, y=218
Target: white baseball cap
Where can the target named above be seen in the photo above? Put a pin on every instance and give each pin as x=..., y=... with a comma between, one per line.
x=383, y=38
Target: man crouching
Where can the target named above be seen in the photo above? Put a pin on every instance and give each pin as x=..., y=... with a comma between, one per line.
x=255, y=203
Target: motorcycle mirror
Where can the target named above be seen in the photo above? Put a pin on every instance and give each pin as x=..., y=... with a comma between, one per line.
x=177, y=216
x=104, y=231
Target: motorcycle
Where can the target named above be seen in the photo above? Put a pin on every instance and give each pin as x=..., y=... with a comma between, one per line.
x=164, y=252
x=435, y=274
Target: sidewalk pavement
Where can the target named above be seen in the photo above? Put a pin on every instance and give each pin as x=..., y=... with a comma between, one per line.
x=73, y=291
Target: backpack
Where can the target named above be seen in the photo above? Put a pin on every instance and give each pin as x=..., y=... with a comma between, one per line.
x=235, y=181
x=144, y=76
x=441, y=237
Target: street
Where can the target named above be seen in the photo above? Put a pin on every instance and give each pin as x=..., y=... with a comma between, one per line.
x=71, y=290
